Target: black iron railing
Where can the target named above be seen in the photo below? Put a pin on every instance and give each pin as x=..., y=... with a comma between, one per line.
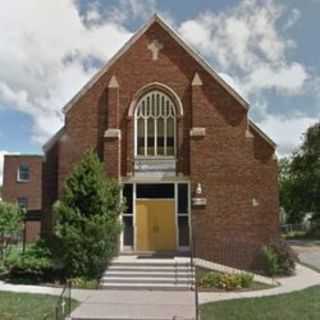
x=195, y=276
x=63, y=306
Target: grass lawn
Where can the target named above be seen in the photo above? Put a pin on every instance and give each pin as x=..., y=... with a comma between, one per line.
x=302, y=305
x=23, y=306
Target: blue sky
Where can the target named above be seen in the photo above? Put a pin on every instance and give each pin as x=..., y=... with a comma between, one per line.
x=267, y=50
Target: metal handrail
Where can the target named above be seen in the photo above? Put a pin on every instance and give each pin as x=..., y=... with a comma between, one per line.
x=195, y=278
x=63, y=306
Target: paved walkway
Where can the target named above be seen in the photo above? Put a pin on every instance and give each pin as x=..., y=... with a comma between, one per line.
x=138, y=304
x=308, y=251
x=77, y=294
x=304, y=278
x=163, y=303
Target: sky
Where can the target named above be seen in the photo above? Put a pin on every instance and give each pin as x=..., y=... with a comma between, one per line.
x=268, y=50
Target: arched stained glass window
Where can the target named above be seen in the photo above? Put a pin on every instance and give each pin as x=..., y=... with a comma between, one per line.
x=155, y=121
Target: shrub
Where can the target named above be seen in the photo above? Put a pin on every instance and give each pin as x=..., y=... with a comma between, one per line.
x=226, y=281
x=35, y=263
x=246, y=280
x=84, y=283
x=230, y=281
x=314, y=232
x=11, y=224
x=279, y=259
x=87, y=219
x=270, y=261
x=209, y=280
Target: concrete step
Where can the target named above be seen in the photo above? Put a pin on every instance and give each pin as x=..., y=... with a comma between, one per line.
x=146, y=280
x=169, y=263
x=148, y=274
x=149, y=268
x=155, y=274
x=146, y=286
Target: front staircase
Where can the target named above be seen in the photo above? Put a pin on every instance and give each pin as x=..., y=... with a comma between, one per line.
x=145, y=273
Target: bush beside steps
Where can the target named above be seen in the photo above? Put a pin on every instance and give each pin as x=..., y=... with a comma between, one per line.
x=279, y=259
x=225, y=281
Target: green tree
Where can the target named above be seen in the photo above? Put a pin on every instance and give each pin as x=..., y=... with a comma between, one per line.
x=300, y=178
x=11, y=223
x=87, y=225
x=289, y=192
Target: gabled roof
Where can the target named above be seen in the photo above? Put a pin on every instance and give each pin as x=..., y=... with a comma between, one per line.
x=132, y=40
x=47, y=146
x=183, y=44
x=255, y=128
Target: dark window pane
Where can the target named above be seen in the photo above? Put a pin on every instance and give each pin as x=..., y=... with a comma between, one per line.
x=22, y=202
x=24, y=172
x=128, y=231
x=150, y=139
x=183, y=223
x=140, y=137
x=170, y=137
x=160, y=137
x=163, y=191
x=128, y=196
x=183, y=198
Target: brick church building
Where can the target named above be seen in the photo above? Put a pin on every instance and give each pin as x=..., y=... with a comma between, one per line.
x=179, y=141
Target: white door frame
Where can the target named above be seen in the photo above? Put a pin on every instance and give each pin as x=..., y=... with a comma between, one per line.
x=175, y=182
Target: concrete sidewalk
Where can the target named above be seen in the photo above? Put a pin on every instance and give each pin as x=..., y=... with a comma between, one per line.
x=139, y=304
x=77, y=294
x=157, y=303
x=308, y=251
x=304, y=278
x=120, y=304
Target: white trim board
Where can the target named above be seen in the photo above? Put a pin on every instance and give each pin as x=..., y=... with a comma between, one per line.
x=255, y=128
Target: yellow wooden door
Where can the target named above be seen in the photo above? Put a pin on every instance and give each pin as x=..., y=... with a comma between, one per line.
x=156, y=226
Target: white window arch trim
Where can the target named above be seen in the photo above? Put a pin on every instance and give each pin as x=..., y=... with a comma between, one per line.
x=153, y=106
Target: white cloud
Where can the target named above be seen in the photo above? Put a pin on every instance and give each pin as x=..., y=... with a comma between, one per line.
x=44, y=50
x=287, y=79
x=287, y=133
x=2, y=154
x=46, y=46
x=128, y=10
x=250, y=47
x=292, y=19
x=245, y=42
x=141, y=8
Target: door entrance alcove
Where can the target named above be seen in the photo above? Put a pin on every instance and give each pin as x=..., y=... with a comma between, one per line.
x=157, y=217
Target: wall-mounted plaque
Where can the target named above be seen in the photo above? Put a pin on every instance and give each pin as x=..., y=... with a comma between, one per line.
x=155, y=167
x=199, y=202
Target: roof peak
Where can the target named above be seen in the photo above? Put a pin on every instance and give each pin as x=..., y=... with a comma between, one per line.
x=177, y=37
x=156, y=16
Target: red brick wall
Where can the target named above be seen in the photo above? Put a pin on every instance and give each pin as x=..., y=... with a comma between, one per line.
x=32, y=230
x=12, y=189
x=32, y=190
x=232, y=168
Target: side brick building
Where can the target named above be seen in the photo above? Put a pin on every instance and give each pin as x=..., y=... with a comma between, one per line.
x=22, y=184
